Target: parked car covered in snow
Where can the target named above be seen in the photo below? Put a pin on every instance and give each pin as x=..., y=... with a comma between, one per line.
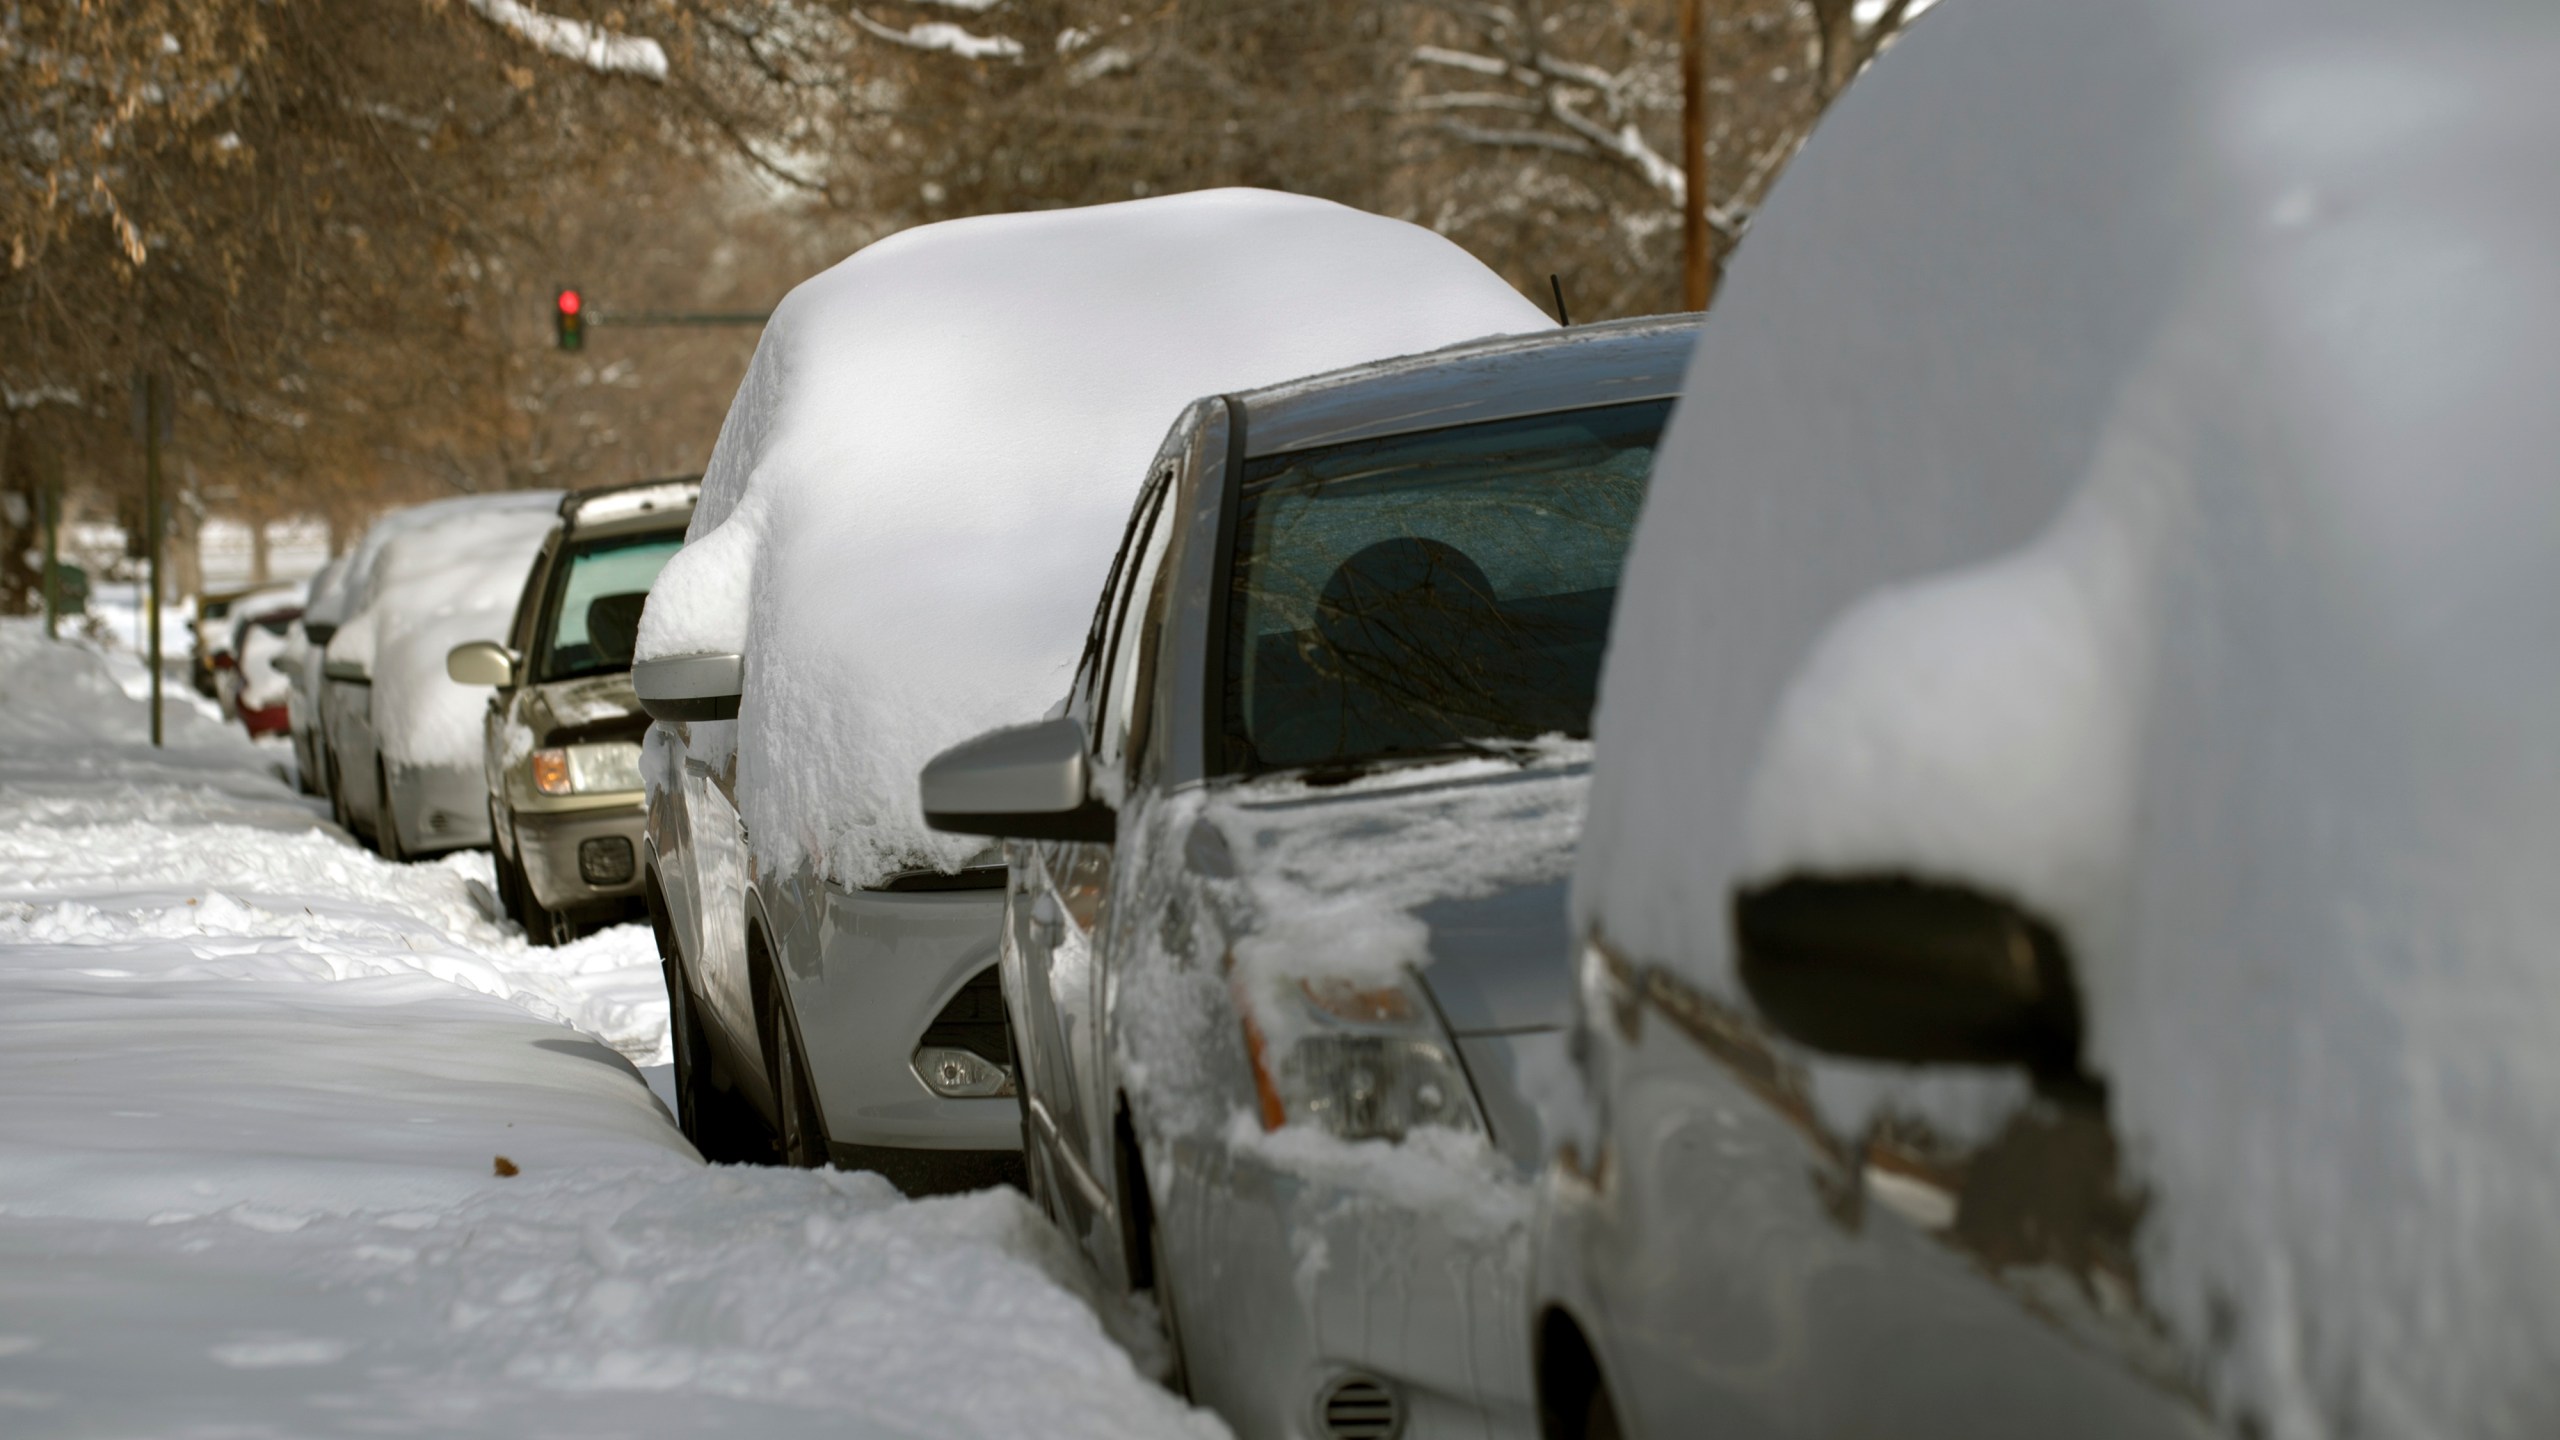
x=247, y=683
x=1287, y=924
x=212, y=635
x=305, y=642
x=560, y=751
x=917, y=491
x=2068, y=889
x=404, y=739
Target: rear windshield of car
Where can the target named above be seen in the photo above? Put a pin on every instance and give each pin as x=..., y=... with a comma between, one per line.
x=1430, y=592
x=594, y=570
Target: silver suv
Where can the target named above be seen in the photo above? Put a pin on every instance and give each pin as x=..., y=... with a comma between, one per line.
x=561, y=745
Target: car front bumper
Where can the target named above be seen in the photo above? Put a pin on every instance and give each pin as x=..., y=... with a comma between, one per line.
x=1293, y=1282
x=571, y=858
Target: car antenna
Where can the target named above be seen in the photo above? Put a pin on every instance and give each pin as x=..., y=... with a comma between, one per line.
x=1557, y=285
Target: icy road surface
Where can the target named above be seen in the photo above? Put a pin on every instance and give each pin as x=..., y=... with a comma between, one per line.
x=254, y=1084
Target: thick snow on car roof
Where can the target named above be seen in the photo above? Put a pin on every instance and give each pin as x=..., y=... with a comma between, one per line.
x=918, y=489
x=2119, y=475
x=452, y=577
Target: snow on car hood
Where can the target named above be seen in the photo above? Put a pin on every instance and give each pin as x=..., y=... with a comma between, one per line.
x=921, y=483
x=442, y=581
x=2118, y=476
x=1411, y=868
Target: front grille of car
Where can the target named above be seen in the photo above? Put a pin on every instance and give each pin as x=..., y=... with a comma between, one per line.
x=1358, y=1407
x=974, y=1021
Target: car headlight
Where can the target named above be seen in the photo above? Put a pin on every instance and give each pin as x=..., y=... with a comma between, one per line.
x=587, y=769
x=1361, y=1062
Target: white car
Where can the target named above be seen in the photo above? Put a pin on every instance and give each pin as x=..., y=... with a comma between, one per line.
x=2069, y=894
x=901, y=534
x=404, y=738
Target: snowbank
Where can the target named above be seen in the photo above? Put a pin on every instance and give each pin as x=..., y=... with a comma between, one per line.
x=920, y=485
x=254, y=1085
x=2118, y=474
x=444, y=579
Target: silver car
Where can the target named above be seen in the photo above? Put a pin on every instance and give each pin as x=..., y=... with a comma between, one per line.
x=561, y=742
x=2068, y=888
x=1285, y=940
x=412, y=809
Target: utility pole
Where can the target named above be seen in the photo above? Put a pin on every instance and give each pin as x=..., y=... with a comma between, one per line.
x=154, y=397
x=1698, y=266
x=49, y=496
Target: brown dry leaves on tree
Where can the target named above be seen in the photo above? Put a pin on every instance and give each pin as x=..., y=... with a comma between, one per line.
x=337, y=227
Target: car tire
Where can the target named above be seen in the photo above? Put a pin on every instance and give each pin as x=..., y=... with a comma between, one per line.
x=386, y=824
x=716, y=1121
x=799, y=1130
x=1142, y=1232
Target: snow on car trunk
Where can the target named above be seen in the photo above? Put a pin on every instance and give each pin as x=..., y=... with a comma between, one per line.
x=444, y=580
x=922, y=480
x=2118, y=477
x=255, y=1086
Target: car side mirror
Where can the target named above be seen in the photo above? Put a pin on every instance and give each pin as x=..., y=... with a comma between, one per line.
x=318, y=634
x=1903, y=970
x=481, y=662
x=613, y=625
x=287, y=664
x=348, y=670
x=690, y=687
x=1027, y=782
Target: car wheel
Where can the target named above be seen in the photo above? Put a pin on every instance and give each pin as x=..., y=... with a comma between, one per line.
x=800, y=1133
x=336, y=793
x=386, y=825
x=1142, y=1235
x=716, y=1121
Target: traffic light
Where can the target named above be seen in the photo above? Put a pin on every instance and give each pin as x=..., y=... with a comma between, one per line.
x=570, y=318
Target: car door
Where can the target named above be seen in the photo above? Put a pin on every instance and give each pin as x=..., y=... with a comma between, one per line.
x=1059, y=912
x=717, y=838
x=506, y=704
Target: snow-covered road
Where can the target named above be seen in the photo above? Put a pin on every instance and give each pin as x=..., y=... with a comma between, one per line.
x=254, y=1088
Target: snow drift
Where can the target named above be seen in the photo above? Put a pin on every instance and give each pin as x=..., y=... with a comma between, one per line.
x=2119, y=476
x=919, y=487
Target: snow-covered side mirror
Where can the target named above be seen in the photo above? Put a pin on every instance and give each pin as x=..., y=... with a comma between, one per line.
x=481, y=662
x=690, y=687
x=1027, y=782
x=287, y=663
x=1891, y=968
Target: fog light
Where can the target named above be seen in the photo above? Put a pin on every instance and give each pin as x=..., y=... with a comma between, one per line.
x=960, y=1074
x=605, y=860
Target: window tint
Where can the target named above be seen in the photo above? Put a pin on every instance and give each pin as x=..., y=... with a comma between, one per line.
x=1424, y=592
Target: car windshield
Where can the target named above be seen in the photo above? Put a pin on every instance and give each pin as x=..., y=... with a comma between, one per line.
x=596, y=571
x=1429, y=592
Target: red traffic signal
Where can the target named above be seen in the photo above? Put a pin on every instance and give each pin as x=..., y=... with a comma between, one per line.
x=569, y=318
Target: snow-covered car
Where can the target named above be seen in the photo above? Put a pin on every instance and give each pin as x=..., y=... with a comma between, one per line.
x=305, y=643
x=560, y=749
x=404, y=739
x=917, y=492
x=2068, y=890
x=247, y=683
x=212, y=635
x=1290, y=924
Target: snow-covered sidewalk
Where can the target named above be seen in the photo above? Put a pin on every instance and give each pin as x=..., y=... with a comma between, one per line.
x=255, y=1085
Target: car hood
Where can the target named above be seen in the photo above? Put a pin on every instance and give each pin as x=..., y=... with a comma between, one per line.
x=1458, y=871
x=590, y=708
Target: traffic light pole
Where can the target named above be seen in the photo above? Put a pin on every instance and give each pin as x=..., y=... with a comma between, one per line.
x=679, y=317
